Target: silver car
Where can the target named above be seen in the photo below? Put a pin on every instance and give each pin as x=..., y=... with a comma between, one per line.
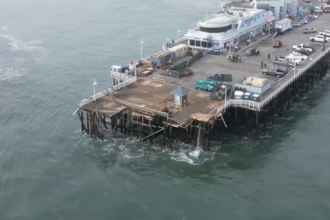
x=296, y=24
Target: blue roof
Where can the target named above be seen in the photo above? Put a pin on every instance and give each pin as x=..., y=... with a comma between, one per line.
x=180, y=91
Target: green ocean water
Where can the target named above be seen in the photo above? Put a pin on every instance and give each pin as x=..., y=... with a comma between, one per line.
x=50, y=53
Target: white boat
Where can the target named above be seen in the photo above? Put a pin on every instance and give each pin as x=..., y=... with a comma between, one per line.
x=227, y=28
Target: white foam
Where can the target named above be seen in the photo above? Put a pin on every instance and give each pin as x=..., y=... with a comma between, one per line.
x=195, y=153
x=31, y=47
x=9, y=73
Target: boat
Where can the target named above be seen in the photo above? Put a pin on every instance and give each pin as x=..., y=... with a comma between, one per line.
x=227, y=28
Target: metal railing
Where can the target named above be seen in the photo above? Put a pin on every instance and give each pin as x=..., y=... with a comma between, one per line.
x=257, y=106
x=127, y=80
x=177, y=41
x=97, y=96
x=124, y=84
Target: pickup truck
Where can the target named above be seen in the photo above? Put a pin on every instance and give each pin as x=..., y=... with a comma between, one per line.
x=327, y=34
x=318, y=10
x=285, y=63
x=319, y=38
x=298, y=55
x=278, y=71
x=297, y=47
x=293, y=59
x=309, y=30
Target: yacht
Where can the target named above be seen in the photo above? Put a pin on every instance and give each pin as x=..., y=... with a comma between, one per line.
x=228, y=27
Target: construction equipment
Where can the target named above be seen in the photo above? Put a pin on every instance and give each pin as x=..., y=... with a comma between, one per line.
x=235, y=58
x=205, y=85
x=300, y=13
x=277, y=44
x=252, y=51
x=221, y=78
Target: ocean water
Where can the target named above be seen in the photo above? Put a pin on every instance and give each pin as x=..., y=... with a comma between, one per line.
x=50, y=53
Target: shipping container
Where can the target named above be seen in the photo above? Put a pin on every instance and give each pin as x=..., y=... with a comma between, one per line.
x=247, y=96
x=163, y=57
x=181, y=50
x=238, y=94
x=254, y=89
x=256, y=81
x=227, y=77
x=256, y=97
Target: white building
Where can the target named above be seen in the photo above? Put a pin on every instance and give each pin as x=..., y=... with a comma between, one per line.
x=280, y=8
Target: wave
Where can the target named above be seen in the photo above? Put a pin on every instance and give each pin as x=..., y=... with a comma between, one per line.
x=9, y=73
x=29, y=47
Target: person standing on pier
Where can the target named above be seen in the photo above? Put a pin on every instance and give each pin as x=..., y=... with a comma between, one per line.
x=268, y=56
x=262, y=65
x=276, y=56
x=265, y=63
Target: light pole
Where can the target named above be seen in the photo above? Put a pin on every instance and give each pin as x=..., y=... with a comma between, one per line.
x=141, y=43
x=250, y=37
x=229, y=47
x=94, y=84
x=178, y=34
x=225, y=87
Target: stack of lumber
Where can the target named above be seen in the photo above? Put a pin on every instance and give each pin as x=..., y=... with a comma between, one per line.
x=194, y=52
x=144, y=70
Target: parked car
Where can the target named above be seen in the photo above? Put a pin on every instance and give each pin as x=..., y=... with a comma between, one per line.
x=303, y=51
x=285, y=63
x=292, y=59
x=275, y=71
x=295, y=47
x=252, y=51
x=235, y=58
x=327, y=34
x=304, y=21
x=277, y=44
x=280, y=58
x=282, y=69
x=309, y=30
x=298, y=55
x=296, y=24
x=320, y=38
x=318, y=10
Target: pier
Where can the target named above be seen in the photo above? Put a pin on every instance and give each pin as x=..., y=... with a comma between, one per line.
x=160, y=106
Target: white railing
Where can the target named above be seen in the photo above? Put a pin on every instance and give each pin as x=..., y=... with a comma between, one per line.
x=119, y=75
x=177, y=41
x=97, y=96
x=294, y=77
x=127, y=80
x=257, y=106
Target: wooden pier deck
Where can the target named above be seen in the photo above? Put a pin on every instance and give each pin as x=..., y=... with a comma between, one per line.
x=151, y=96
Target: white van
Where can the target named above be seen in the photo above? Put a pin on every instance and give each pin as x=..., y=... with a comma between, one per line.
x=292, y=59
x=299, y=55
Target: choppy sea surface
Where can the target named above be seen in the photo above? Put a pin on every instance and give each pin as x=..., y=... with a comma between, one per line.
x=50, y=52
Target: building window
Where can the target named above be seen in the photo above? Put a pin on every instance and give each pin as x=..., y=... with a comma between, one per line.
x=215, y=30
x=192, y=43
x=198, y=43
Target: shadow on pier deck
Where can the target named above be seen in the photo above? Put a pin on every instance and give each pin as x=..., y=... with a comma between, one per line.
x=145, y=109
